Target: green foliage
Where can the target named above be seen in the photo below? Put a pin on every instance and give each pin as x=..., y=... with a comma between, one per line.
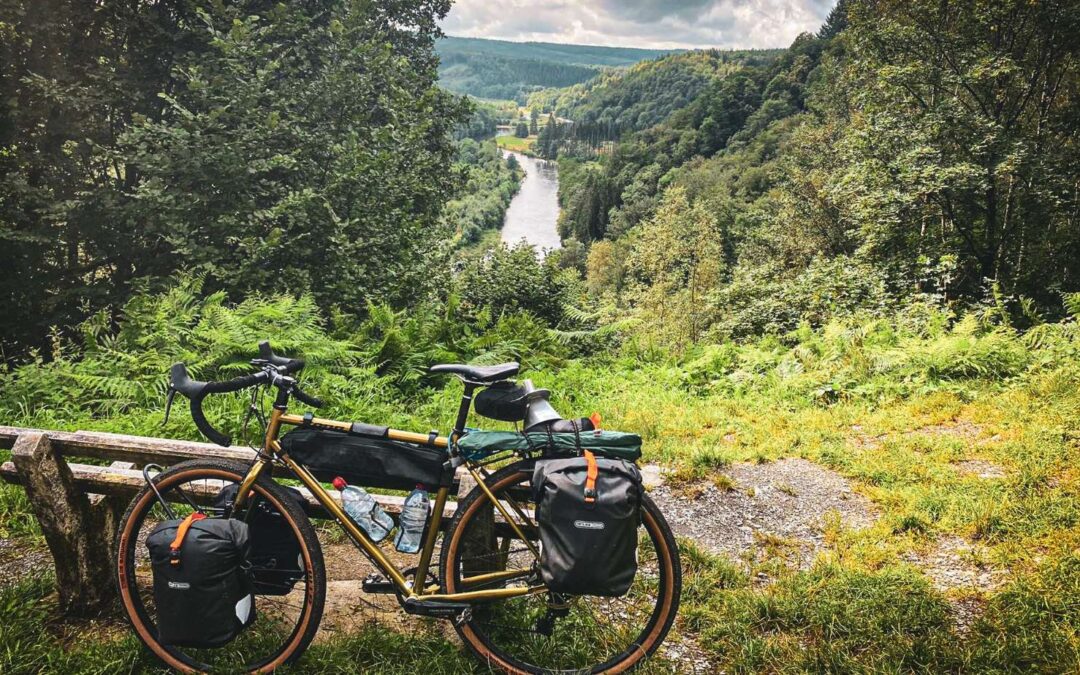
x=489, y=76
x=311, y=188
x=298, y=147
x=675, y=259
x=364, y=370
x=642, y=95
x=30, y=645
x=899, y=382
x=482, y=121
x=978, y=139
x=507, y=280
x=511, y=70
x=901, y=153
x=860, y=250
x=490, y=182
x=553, y=52
x=767, y=299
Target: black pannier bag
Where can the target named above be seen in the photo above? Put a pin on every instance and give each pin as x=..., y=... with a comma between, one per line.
x=366, y=461
x=503, y=401
x=588, y=510
x=202, y=591
x=274, y=552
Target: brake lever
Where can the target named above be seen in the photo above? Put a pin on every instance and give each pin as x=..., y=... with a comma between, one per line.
x=168, y=404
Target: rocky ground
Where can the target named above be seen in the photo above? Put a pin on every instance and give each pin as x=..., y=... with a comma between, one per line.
x=783, y=504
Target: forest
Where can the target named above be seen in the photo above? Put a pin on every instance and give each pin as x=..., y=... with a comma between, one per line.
x=847, y=175
x=860, y=252
x=494, y=69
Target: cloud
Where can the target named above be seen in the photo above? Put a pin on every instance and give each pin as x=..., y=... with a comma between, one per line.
x=662, y=24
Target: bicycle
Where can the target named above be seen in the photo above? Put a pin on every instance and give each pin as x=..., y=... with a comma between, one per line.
x=486, y=580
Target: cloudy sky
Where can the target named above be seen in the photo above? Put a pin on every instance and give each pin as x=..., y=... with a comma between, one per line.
x=640, y=23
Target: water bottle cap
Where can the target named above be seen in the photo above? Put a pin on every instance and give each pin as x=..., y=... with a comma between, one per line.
x=339, y=483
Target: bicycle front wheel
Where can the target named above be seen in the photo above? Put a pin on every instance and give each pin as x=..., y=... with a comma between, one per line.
x=546, y=632
x=286, y=618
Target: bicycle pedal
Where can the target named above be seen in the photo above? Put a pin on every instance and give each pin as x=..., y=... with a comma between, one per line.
x=378, y=585
x=440, y=610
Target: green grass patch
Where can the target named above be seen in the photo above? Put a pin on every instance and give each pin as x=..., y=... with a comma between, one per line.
x=516, y=144
x=908, y=408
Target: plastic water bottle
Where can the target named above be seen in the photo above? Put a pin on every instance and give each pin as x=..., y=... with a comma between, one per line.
x=414, y=515
x=364, y=510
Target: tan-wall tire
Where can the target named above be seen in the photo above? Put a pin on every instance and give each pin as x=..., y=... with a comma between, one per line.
x=667, y=550
x=311, y=550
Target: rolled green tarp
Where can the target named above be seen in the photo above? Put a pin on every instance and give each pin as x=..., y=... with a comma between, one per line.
x=479, y=444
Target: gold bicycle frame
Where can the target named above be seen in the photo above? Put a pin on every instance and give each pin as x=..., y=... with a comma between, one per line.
x=272, y=449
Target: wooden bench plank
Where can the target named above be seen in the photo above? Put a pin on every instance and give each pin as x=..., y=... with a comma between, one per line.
x=113, y=481
x=138, y=450
x=124, y=448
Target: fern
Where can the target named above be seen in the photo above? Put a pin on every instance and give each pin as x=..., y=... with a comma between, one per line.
x=1072, y=304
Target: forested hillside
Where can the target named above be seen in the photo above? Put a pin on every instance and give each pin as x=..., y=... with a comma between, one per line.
x=902, y=151
x=511, y=70
x=644, y=95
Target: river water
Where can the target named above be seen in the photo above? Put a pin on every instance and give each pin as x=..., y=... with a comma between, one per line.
x=534, y=211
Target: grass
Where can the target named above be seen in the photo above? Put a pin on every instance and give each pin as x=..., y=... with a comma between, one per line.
x=516, y=144
x=33, y=639
x=900, y=424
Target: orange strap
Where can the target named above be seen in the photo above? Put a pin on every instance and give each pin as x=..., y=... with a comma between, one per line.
x=590, y=477
x=181, y=532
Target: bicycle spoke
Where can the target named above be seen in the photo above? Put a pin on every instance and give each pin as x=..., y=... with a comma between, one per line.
x=538, y=631
x=276, y=616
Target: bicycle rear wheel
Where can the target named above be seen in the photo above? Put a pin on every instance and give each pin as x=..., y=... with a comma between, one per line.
x=286, y=619
x=546, y=632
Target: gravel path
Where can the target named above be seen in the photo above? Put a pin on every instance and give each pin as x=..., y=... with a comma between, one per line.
x=781, y=502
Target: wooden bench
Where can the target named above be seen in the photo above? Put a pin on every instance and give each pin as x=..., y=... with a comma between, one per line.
x=79, y=505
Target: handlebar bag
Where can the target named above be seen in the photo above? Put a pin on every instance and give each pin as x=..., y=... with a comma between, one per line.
x=367, y=461
x=202, y=592
x=588, y=511
x=275, y=559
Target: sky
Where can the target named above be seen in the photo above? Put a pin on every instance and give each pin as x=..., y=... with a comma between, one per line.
x=657, y=24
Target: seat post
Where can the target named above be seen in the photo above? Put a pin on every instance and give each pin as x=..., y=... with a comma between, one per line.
x=463, y=409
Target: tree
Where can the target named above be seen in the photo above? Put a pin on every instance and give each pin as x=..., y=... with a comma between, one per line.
x=547, y=142
x=675, y=261
x=274, y=146
x=966, y=138
x=836, y=21
x=521, y=130
x=533, y=124
x=73, y=75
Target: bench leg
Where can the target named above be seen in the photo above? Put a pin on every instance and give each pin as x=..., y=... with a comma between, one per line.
x=72, y=528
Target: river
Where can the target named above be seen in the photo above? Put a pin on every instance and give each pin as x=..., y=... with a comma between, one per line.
x=534, y=211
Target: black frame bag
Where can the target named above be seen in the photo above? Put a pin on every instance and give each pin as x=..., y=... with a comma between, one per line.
x=367, y=461
x=202, y=591
x=588, y=511
x=274, y=553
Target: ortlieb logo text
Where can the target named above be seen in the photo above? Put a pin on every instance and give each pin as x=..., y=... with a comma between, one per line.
x=588, y=525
